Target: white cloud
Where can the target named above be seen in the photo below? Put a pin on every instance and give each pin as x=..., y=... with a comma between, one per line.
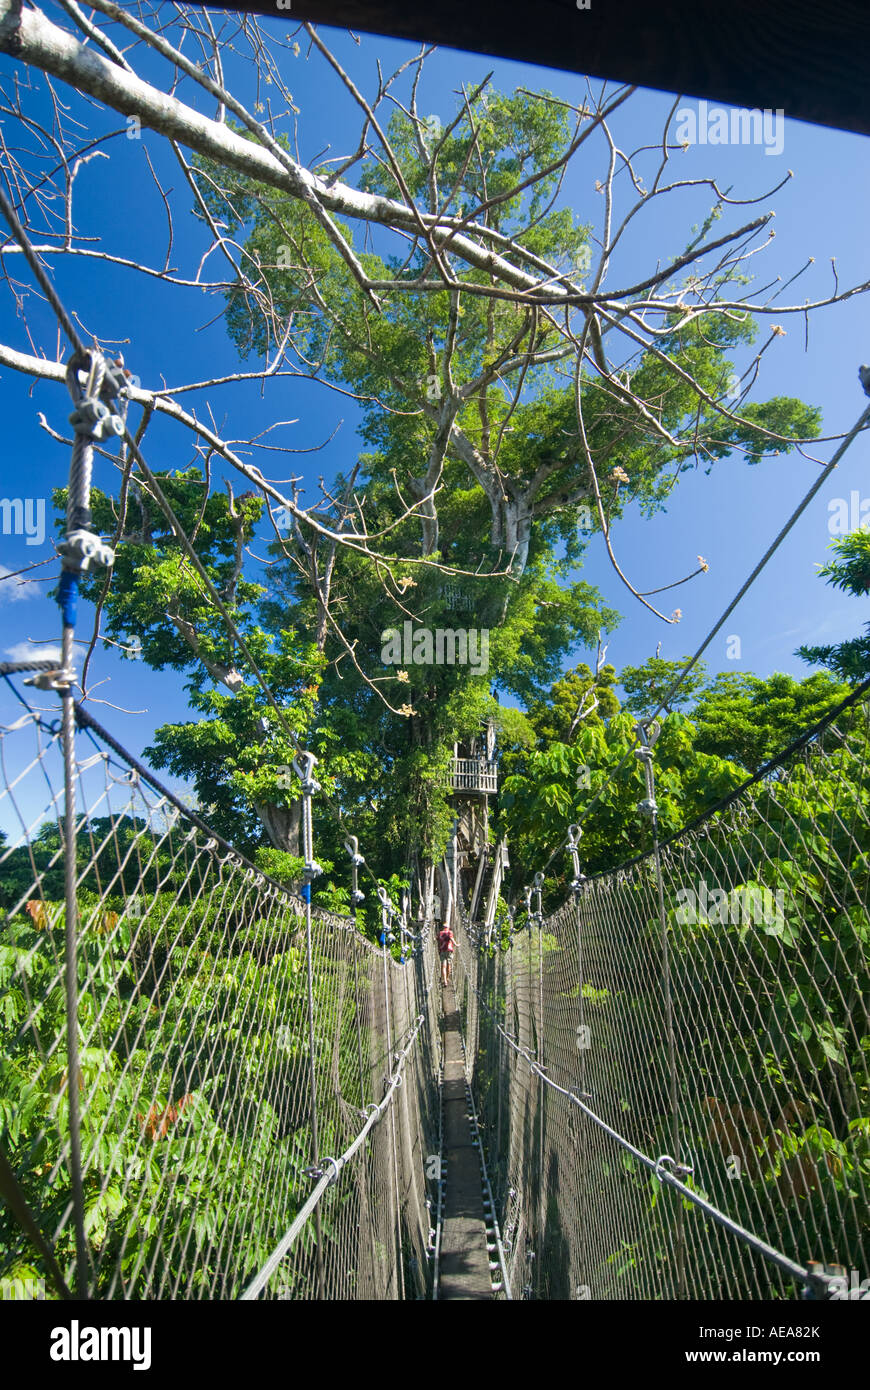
x=29, y=651
x=12, y=590
x=835, y=623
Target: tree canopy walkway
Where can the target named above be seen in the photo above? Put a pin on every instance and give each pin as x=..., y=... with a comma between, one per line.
x=658, y=1090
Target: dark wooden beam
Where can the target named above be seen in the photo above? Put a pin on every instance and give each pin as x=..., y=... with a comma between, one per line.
x=805, y=57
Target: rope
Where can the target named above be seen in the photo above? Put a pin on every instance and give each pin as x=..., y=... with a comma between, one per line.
x=200, y=990
x=71, y=933
x=747, y=1237
x=232, y=865
x=631, y=937
x=304, y=765
x=11, y=668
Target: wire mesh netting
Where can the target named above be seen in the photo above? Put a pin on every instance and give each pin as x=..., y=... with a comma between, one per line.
x=724, y=1028
x=198, y=1098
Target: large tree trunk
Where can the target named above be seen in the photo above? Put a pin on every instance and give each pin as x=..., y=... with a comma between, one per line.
x=282, y=824
x=517, y=531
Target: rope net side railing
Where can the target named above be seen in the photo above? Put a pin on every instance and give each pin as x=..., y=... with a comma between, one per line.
x=196, y=1078
x=719, y=1029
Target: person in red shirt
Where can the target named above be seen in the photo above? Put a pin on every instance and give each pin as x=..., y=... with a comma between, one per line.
x=446, y=947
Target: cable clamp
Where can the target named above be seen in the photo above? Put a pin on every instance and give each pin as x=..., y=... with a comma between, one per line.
x=303, y=765
x=61, y=679
x=828, y=1282
x=677, y=1170
x=82, y=549
x=93, y=419
x=315, y=1172
x=647, y=730
x=351, y=844
x=336, y=1168
x=648, y=806
x=119, y=380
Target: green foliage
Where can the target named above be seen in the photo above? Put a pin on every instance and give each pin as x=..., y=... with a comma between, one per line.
x=647, y=686
x=155, y=593
x=851, y=570
x=749, y=719
x=849, y=660
x=545, y=790
x=738, y=723
x=122, y=853
x=577, y=699
x=278, y=864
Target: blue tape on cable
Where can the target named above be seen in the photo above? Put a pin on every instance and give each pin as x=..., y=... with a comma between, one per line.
x=67, y=597
x=306, y=892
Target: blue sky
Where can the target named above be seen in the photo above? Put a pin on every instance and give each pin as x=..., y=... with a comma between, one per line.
x=728, y=517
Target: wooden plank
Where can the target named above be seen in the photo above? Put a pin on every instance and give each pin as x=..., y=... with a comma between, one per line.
x=464, y=1265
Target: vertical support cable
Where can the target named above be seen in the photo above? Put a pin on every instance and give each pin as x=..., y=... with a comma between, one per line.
x=303, y=766
x=93, y=384
x=351, y=844
x=386, y=938
x=534, y=1079
x=498, y=968
x=73, y=1070
x=542, y=1095
x=78, y=551
x=407, y=1145
x=315, y=1137
x=649, y=808
x=574, y=833
x=509, y=1026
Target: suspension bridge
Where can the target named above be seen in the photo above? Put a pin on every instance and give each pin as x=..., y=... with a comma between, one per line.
x=622, y=1099
x=211, y=1088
